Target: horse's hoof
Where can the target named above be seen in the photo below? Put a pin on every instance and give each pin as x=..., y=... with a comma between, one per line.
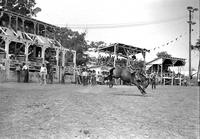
x=144, y=94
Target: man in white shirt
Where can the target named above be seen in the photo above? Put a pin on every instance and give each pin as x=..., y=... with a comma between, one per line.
x=26, y=73
x=43, y=74
x=84, y=75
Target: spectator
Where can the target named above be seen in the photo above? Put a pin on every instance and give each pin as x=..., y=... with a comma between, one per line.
x=2, y=72
x=51, y=72
x=26, y=73
x=185, y=81
x=84, y=76
x=43, y=74
x=93, y=77
x=62, y=75
x=18, y=70
x=153, y=80
x=78, y=76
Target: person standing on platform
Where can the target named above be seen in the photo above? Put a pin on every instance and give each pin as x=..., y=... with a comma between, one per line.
x=18, y=70
x=26, y=73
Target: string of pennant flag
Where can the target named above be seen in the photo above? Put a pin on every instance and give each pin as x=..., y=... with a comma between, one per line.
x=169, y=42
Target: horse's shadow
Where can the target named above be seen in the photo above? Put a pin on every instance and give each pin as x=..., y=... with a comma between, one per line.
x=130, y=94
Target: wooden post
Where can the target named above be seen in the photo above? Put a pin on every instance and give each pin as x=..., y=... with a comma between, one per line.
x=9, y=22
x=172, y=83
x=63, y=58
x=43, y=54
x=22, y=24
x=74, y=61
x=144, y=56
x=17, y=25
x=45, y=31
x=115, y=55
x=7, y=63
x=57, y=56
x=26, y=52
x=179, y=76
x=161, y=73
x=34, y=27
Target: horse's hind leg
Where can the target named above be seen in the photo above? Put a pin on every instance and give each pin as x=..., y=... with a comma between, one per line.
x=141, y=89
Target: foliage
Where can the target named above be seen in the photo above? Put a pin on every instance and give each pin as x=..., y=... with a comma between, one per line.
x=24, y=7
x=97, y=44
x=75, y=41
x=163, y=54
x=138, y=64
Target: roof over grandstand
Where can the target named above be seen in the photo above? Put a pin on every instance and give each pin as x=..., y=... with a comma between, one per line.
x=167, y=60
x=123, y=49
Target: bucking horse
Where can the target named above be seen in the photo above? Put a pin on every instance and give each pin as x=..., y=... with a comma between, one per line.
x=136, y=78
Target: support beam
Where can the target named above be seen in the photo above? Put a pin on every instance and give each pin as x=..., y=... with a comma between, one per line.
x=26, y=52
x=7, y=64
x=115, y=55
x=57, y=56
x=172, y=83
x=43, y=54
x=63, y=58
x=74, y=61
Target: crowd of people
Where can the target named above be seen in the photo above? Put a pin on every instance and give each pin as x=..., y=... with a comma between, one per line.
x=84, y=76
x=23, y=71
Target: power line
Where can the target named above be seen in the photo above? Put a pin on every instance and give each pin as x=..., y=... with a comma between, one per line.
x=120, y=25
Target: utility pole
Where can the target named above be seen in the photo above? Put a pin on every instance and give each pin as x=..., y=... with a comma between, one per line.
x=190, y=22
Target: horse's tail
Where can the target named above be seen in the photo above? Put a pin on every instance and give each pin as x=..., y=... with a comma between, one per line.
x=111, y=71
x=110, y=76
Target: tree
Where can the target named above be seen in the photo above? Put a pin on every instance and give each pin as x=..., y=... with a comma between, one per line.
x=73, y=40
x=97, y=44
x=163, y=54
x=24, y=7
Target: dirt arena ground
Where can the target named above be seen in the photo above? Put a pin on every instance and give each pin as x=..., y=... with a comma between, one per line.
x=85, y=112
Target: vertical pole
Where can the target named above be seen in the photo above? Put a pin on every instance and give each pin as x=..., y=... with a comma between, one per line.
x=7, y=63
x=115, y=54
x=57, y=66
x=26, y=52
x=34, y=28
x=179, y=76
x=63, y=59
x=172, y=83
x=57, y=57
x=190, y=45
x=161, y=71
x=9, y=22
x=17, y=25
x=22, y=24
x=199, y=51
x=74, y=60
x=43, y=54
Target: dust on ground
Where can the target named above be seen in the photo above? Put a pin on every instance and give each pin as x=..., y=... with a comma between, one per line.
x=97, y=112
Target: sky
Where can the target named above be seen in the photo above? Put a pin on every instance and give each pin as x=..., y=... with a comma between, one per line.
x=142, y=23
